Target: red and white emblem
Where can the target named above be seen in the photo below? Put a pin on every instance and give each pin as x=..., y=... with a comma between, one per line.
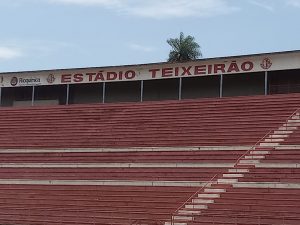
x=266, y=63
x=51, y=79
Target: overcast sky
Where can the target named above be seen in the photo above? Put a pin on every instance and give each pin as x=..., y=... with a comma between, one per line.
x=49, y=34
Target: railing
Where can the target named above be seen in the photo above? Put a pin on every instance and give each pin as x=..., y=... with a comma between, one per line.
x=211, y=181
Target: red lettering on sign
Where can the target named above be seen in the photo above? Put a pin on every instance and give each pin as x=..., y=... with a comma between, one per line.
x=66, y=78
x=112, y=75
x=200, y=70
x=167, y=72
x=186, y=71
x=209, y=69
x=90, y=75
x=247, y=66
x=154, y=72
x=176, y=71
x=130, y=74
x=219, y=68
x=233, y=67
x=99, y=76
x=78, y=77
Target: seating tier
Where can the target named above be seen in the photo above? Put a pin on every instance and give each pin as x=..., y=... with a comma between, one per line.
x=226, y=121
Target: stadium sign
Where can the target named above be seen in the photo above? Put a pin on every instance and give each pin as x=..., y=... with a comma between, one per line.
x=205, y=67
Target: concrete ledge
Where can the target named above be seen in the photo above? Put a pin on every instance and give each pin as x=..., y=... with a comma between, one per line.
x=278, y=165
x=137, y=149
x=116, y=165
x=267, y=185
x=288, y=147
x=104, y=183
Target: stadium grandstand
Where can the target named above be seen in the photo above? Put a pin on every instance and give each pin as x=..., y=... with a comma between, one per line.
x=210, y=141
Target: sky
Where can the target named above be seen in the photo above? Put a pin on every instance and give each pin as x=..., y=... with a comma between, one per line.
x=54, y=34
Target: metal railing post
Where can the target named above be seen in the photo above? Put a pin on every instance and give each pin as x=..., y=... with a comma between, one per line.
x=32, y=95
x=103, y=92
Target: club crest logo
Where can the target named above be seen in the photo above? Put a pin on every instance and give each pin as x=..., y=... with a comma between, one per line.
x=51, y=79
x=266, y=63
x=14, y=81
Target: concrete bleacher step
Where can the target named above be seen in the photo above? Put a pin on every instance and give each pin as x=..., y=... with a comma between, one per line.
x=209, y=196
x=235, y=175
x=282, y=132
x=287, y=128
x=277, y=136
x=227, y=181
x=259, y=152
x=249, y=162
x=205, y=201
x=252, y=156
x=183, y=218
x=269, y=144
x=175, y=223
x=189, y=212
x=214, y=190
x=195, y=206
x=238, y=170
x=274, y=140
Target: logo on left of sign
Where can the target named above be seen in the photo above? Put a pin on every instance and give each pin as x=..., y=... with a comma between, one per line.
x=51, y=79
x=14, y=81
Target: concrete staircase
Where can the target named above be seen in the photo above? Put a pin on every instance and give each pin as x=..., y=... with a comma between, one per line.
x=214, y=189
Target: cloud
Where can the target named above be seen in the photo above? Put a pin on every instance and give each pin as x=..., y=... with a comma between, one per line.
x=7, y=53
x=16, y=48
x=263, y=5
x=141, y=48
x=159, y=9
x=295, y=3
x=114, y=3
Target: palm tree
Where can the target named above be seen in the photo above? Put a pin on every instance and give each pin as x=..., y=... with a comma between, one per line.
x=183, y=49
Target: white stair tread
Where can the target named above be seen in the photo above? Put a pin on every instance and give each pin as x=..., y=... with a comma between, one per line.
x=189, y=212
x=204, y=201
x=227, y=181
x=175, y=223
x=254, y=157
x=238, y=170
x=259, y=152
x=214, y=190
x=249, y=161
x=233, y=175
x=209, y=195
x=193, y=206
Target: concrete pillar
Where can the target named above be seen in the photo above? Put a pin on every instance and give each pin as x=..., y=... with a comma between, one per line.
x=0, y=96
x=142, y=90
x=221, y=85
x=32, y=95
x=103, y=92
x=68, y=94
x=180, y=89
x=266, y=83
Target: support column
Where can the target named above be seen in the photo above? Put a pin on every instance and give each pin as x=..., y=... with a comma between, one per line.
x=0, y=96
x=68, y=94
x=221, y=85
x=103, y=92
x=32, y=95
x=266, y=83
x=180, y=89
x=142, y=90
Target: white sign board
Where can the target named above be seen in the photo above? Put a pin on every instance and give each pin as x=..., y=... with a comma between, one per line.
x=205, y=67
